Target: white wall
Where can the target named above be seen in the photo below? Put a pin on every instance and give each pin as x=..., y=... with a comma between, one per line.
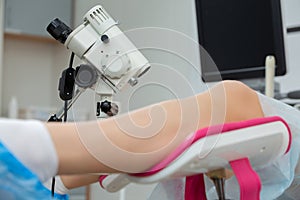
x=29, y=70
x=292, y=12
x=290, y=81
x=30, y=73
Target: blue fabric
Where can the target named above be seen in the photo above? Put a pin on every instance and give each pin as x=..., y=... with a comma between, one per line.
x=19, y=183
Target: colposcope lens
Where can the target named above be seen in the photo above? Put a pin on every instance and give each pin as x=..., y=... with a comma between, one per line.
x=59, y=30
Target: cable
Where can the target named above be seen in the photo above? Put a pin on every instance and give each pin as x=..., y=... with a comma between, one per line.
x=65, y=120
x=66, y=111
x=53, y=186
x=71, y=60
x=66, y=101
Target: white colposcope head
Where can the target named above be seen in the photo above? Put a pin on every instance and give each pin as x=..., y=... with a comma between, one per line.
x=101, y=43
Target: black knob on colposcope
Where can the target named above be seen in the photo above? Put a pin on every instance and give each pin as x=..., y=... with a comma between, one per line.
x=105, y=39
x=59, y=30
x=105, y=106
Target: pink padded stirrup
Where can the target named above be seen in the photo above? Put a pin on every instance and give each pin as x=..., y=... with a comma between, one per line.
x=249, y=181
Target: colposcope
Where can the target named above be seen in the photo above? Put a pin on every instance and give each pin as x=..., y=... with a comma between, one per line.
x=111, y=60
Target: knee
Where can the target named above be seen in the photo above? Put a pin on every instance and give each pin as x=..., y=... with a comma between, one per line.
x=242, y=101
x=235, y=90
x=238, y=89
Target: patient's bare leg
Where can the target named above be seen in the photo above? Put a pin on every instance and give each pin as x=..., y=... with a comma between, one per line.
x=136, y=141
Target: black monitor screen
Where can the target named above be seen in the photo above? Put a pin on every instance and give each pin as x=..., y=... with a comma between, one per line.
x=238, y=35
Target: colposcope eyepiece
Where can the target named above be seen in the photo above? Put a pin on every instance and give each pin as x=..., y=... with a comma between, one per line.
x=59, y=30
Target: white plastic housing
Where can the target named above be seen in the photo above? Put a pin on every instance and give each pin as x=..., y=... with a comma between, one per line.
x=118, y=60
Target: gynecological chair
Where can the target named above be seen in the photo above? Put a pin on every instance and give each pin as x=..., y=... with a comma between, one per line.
x=241, y=147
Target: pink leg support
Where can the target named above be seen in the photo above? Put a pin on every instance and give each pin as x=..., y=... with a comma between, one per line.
x=249, y=181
